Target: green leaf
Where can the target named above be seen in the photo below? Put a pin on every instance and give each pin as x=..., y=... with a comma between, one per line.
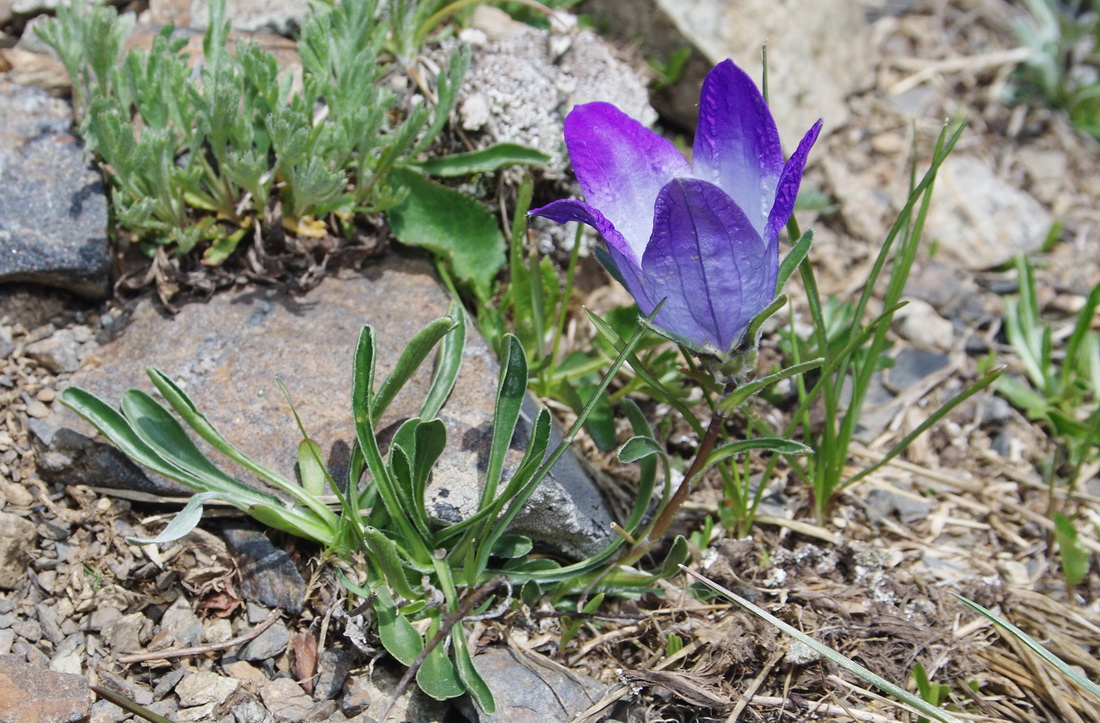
x=399, y=637
x=511, y=391
x=447, y=364
x=637, y=448
x=736, y=398
x=678, y=554
x=485, y=160
x=385, y=555
x=452, y=226
x=793, y=259
x=512, y=546
x=182, y=524
x=414, y=354
x=437, y=675
x=1074, y=556
x=763, y=444
x=291, y=520
x=313, y=474
x=1062, y=667
x=475, y=685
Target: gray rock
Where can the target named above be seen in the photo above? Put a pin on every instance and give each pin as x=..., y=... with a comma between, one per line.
x=7, y=637
x=53, y=209
x=886, y=502
x=523, y=81
x=277, y=16
x=920, y=324
x=332, y=670
x=913, y=366
x=268, y=575
x=127, y=633
x=69, y=457
x=266, y=645
x=979, y=219
x=7, y=346
x=286, y=700
x=251, y=712
x=184, y=625
x=58, y=352
x=239, y=343
x=29, y=629
x=68, y=656
x=369, y=690
x=811, y=73
x=202, y=687
x=17, y=537
x=529, y=692
x=33, y=693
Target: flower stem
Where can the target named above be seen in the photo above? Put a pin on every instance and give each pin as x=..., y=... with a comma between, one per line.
x=668, y=514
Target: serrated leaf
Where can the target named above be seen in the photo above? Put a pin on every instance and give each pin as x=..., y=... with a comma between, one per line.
x=452, y=226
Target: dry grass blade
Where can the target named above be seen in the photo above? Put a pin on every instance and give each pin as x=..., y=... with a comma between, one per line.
x=904, y=698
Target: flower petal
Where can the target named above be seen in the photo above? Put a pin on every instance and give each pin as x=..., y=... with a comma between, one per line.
x=790, y=179
x=621, y=166
x=708, y=263
x=736, y=142
x=628, y=267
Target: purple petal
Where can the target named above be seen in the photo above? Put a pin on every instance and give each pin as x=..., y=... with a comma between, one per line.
x=709, y=264
x=627, y=265
x=736, y=142
x=621, y=166
x=787, y=191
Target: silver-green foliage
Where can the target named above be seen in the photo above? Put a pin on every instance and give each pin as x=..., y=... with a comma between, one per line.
x=226, y=139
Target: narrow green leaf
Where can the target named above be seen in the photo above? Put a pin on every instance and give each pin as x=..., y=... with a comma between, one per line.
x=363, y=401
x=1062, y=667
x=447, y=364
x=485, y=160
x=160, y=430
x=312, y=473
x=385, y=555
x=794, y=258
x=777, y=445
x=511, y=391
x=471, y=679
x=678, y=554
x=182, y=524
x=736, y=398
x=414, y=354
x=451, y=225
x=1074, y=556
x=291, y=520
x=197, y=421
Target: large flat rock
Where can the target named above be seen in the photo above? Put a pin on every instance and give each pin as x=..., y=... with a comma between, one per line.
x=53, y=208
x=228, y=353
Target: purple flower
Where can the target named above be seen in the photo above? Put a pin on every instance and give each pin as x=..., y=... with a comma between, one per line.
x=704, y=236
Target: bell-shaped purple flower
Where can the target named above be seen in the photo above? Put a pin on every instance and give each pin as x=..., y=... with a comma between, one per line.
x=704, y=236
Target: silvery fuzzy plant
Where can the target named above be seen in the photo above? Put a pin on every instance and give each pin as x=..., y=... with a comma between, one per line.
x=379, y=535
x=200, y=158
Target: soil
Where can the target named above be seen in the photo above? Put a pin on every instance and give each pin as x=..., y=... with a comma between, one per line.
x=876, y=582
